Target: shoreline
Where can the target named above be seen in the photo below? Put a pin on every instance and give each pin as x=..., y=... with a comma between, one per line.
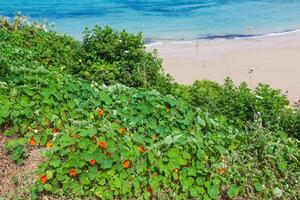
x=275, y=61
x=149, y=42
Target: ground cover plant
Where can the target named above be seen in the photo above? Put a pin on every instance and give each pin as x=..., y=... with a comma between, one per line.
x=205, y=141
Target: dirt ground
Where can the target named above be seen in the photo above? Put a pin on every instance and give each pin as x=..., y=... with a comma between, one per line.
x=14, y=179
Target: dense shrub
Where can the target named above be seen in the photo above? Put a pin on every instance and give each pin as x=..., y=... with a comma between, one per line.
x=105, y=56
x=119, y=57
x=23, y=43
x=238, y=104
x=290, y=122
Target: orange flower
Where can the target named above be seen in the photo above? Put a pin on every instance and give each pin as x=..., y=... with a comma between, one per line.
x=122, y=130
x=49, y=145
x=126, y=164
x=100, y=112
x=54, y=130
x=73, y=172
x=92, y=162
x=102, y=145
x=176, y=170
x=77, y=136
x=142, y=149
x=32, y=141
x=222, y=170
x=149, y=189
x=43, y=179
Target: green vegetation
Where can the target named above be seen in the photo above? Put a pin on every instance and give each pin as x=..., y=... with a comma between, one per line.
x=112, y=57
x=112, y=125
x=241, y=107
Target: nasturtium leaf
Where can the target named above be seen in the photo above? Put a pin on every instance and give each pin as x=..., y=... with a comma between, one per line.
x=85, y=133
x=187, y=183
x=117, y=182
x=192, y=172
x=66, y=140
x=84, y=143
x=48, y=187
x=181, y=161
x=233, y=191
x=49, y=174
x=182, y=140
x=55, y=163
x=200, y=180
x=201, y=190
x=102, y=181
x=206, y=197
x=213, y=192
x=186, y=155
x=200, y=154
x=154, y=182
x=173, y=153
x=106, y=163
x=194, y=192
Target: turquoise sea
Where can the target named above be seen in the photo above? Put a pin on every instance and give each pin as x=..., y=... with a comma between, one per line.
x=165, y=19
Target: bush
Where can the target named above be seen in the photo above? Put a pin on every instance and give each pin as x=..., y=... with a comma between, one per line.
x=24, y=43
x=111, y=57
x=105, y=56
x=239, y=105
x=290, y=122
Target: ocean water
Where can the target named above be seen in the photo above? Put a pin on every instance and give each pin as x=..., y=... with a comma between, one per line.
x=165, y=19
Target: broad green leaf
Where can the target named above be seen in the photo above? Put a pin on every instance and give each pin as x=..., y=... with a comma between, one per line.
x=233, y=191
x=106, y=163
x=213, y=192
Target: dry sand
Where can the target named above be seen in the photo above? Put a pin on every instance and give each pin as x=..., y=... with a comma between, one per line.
x=275, y=61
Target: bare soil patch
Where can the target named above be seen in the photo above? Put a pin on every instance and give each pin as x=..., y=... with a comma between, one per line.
x=15, y=180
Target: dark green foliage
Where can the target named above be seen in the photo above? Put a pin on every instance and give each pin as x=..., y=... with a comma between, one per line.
x=238, y=104
x=290, y=122
x=111, y=57
x=26, y=45
x=105, y=56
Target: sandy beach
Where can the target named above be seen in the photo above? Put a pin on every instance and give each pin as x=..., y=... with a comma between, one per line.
x=274, y=60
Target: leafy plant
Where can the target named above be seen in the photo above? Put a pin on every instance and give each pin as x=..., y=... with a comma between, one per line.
x=119, y=57
x=240, y=106
x=205, y=141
